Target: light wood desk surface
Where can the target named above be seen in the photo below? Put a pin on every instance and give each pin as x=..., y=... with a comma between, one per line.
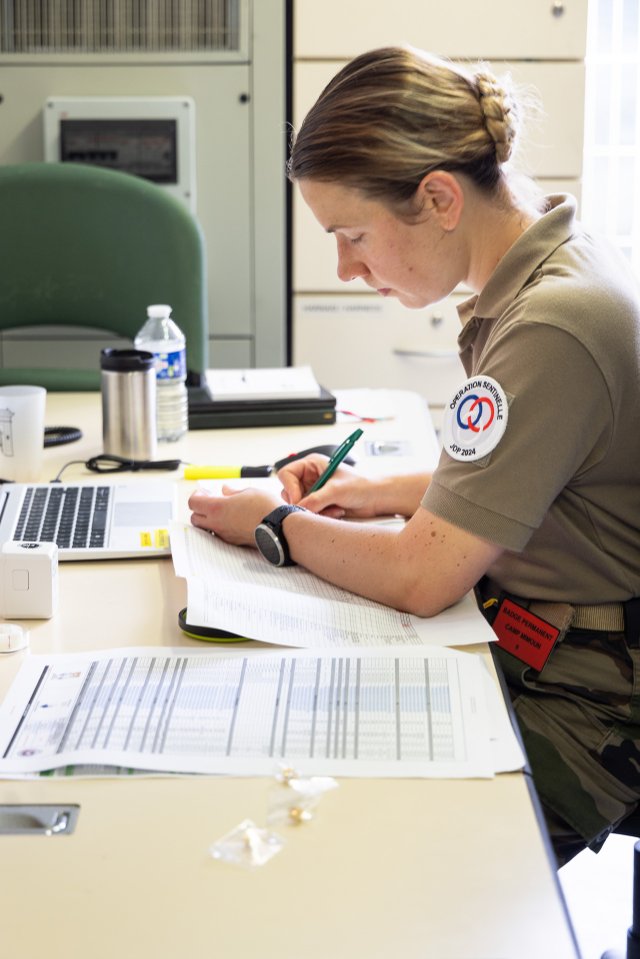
x=388, y=868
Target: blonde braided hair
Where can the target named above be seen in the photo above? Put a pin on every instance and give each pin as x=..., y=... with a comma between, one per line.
x=500, y=113
x=392, y=115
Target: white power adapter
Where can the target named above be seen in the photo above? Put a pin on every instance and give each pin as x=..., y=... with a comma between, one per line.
x=28, y=580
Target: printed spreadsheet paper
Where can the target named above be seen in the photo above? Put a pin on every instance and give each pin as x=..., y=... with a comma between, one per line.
x=389, y=713
x=237, y=590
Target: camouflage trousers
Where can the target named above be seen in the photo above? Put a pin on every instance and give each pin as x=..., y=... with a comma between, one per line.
x=580, y=723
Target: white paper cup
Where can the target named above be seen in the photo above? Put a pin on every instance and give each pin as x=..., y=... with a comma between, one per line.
x=21, y=432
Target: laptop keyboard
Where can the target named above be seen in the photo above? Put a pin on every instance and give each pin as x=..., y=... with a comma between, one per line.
x=71, y=516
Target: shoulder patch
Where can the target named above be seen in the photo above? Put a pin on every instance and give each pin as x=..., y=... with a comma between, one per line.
x=475, y=419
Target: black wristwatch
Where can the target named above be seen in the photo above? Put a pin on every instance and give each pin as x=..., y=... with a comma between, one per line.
x=270, y=538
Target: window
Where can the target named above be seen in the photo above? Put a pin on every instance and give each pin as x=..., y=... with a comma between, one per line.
x=611, y=194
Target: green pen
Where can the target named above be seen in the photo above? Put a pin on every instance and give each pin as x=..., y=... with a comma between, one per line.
x=335, y=460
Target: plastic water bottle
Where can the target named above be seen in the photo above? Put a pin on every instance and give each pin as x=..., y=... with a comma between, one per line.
x=161, y=336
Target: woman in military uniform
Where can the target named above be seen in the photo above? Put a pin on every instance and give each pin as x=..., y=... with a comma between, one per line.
x=534, y=503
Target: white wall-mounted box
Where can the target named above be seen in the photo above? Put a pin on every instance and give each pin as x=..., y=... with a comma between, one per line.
x=152, y=137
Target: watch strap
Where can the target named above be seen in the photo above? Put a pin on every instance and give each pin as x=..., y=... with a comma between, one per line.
x=274, y=521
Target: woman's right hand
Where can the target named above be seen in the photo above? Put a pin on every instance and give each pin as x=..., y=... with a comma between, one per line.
x=346, y=494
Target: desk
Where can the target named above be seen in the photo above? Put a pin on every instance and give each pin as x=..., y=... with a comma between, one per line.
x=410, y=868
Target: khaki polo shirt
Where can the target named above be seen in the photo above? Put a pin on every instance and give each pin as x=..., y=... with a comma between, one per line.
x=558, y=326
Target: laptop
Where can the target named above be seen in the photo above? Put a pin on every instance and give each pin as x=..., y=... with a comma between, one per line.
x=115, y=521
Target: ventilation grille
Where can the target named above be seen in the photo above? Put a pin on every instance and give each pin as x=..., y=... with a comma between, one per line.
x=119, y=26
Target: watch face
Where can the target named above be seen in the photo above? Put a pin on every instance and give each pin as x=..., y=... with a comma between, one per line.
x=269, y=545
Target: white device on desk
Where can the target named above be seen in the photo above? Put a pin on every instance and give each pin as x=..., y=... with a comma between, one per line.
x=28, y=580
x=115, y=521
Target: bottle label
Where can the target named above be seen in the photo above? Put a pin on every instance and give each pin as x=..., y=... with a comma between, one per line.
x=171, y=366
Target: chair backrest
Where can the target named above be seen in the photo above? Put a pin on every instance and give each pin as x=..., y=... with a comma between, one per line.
x=82, y=246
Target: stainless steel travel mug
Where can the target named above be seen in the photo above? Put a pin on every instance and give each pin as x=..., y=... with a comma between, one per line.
x=128, y=381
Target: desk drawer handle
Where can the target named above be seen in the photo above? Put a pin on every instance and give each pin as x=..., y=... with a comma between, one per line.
x=430, y=354
x=39, y=819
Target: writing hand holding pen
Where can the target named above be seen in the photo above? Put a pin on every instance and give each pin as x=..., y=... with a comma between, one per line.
x=231, y=515
x=349, y=494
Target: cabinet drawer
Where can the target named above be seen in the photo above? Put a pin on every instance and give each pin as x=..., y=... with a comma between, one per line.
x=368, y=341
x=227, y=353
x=493, y=29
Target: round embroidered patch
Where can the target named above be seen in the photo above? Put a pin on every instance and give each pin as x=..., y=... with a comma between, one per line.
x=475, y=419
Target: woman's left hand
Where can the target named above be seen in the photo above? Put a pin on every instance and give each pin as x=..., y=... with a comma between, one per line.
x=234, y=515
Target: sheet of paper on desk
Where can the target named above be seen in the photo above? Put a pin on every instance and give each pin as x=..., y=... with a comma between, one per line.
x=505, y=745
x=236, y=590
x=281, y=383
x=390, y=713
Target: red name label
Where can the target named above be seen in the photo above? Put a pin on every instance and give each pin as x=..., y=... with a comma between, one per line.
x=524, y=635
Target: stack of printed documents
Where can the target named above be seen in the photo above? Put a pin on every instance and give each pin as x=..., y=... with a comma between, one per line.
x=335, y=685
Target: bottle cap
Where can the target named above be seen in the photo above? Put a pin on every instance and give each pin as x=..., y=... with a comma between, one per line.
x=158, y=310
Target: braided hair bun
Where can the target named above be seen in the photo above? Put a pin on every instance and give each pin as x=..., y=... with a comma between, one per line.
x=499, y=113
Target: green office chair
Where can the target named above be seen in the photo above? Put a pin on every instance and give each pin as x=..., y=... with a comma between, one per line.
x=82, y=246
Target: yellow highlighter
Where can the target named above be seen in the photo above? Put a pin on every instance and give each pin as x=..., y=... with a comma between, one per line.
x=226, y=472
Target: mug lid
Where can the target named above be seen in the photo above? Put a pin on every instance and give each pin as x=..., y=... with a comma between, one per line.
x=126, y=361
